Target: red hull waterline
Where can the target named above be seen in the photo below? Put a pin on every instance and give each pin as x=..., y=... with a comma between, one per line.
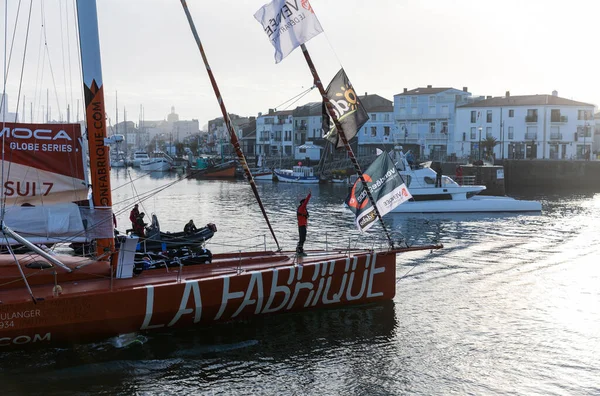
x=89, y=304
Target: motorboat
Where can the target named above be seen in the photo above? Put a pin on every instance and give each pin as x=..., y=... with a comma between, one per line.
x=138, y=157
x=451, y=196
x=262, y=174
x=298, y=174
x=158, y=162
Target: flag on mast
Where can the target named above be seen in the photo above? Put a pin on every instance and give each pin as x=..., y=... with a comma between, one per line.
x=347, y=108
x=387, y=189
x=288, y=24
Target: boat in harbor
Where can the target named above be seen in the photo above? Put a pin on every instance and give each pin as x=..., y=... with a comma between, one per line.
x=138, y=157
x=298, y=174
x=208, y=168
x=156, y=240
x=55, y=299
x=159, y=161
x=450, y=196
x=261, y=172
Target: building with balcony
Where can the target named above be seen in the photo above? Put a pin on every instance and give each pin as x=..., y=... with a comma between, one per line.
x=528, y=126
x=274, y=134
x=308, y=124
x=425, y=120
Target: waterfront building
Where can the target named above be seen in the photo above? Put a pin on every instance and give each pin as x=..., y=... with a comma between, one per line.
x=274, y=134
x=380, y=131
x=528, y=126
x=308, y=124
x=425, y=120
x=217, y=138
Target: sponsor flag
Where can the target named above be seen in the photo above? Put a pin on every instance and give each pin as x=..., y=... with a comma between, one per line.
x=386, y=187
x=347, y=107
x=288, y=24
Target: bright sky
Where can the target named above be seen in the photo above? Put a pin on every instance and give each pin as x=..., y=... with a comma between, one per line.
x=149, y=55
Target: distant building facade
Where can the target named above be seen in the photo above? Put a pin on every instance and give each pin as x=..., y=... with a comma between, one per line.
x=425, y=119
x=274, y=133
x=526, y=127
x=380, y=130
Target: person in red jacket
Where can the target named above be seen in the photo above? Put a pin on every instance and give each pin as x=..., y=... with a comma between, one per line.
x=302, y=214
x=133, y=215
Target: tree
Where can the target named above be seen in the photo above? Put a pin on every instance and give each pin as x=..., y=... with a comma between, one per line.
x=488, y=146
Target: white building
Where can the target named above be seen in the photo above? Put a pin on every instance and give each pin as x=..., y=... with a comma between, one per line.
x=274, y=133
x=529, y=126
x=308, y=151
x=308, y=124
x=425, y=119
x=378, y=131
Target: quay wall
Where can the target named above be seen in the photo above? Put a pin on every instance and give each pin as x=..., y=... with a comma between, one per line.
x=551, y=175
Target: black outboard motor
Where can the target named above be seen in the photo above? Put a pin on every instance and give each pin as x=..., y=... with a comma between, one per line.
x=153, y=230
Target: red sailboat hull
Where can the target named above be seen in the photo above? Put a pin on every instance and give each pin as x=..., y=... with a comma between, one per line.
x=89, y=304
x=221, y=171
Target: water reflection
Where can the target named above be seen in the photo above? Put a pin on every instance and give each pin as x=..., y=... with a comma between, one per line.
x=201, y=356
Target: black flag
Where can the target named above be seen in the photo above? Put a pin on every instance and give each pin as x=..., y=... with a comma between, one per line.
x=349, y=111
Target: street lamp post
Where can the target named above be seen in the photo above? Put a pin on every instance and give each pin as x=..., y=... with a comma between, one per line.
x=479, y=146
x=585, y=128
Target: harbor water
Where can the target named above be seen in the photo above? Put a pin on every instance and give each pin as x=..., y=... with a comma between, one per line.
x=509, y=306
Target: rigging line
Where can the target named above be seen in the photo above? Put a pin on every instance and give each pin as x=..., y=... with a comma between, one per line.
x=295, y=101
x=62, y=48
x=52, y=75
x=20, y=269
x=301, y=94
x=23, y=64
x=79, y=63
x=69, y=53
x=1, y=108
x=332, y=49
x=12, y=45
x=40, y=65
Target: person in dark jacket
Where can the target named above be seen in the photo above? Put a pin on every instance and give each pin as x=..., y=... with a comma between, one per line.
x=140, y=227
x=302, y=215
x=190, y=227
x=438, y=175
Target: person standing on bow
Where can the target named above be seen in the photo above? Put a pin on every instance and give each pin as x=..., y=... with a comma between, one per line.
x=133, y=215
x=302, y=214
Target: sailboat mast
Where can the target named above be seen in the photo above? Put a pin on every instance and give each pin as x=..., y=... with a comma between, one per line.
x=232, y=135
x=95, y=113
x=116, y=114
x=342, y=136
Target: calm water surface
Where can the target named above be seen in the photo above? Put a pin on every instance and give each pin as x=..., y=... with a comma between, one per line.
x=511, y=305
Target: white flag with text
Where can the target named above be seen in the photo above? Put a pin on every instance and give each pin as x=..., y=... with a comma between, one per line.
x=288, y=24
